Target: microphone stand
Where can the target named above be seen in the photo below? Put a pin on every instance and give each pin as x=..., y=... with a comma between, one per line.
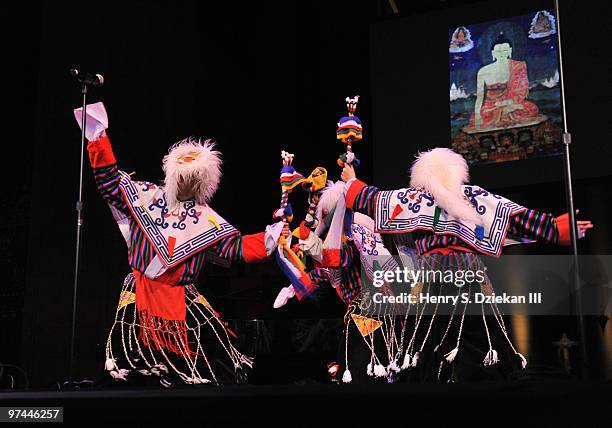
x=567, y=140
x=77, y=265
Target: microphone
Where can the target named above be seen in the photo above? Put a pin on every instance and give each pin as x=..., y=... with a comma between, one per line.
x=87, y=78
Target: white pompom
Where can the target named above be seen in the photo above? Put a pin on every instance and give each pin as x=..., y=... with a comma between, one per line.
x=380, y=370
x=370, y=370
x=110, y=364
x=346, y=376
x=407, y=361
x=415, y=359
x=491, y=358
x=450, y=357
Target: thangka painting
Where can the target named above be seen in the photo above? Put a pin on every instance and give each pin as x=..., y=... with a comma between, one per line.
x=505, y=100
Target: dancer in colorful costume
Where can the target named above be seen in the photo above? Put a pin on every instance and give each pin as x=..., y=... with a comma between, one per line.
x=163, y=324
x=370, y=344
x=288, y=261
x=450, y=224
x=341, y=245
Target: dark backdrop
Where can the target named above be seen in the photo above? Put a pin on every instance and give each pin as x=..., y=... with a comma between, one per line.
x=410, y=87
x=258, y=78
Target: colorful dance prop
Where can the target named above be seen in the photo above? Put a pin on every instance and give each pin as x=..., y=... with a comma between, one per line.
x=289, y=263
x=289, y=179
x=349, y=131
x=314, y=184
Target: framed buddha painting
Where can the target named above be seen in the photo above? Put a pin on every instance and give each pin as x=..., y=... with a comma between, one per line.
x=505, y=100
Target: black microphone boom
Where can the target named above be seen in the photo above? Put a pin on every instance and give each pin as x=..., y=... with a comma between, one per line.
x=87, y=78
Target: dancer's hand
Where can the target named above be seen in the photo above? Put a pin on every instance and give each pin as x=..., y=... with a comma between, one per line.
x=583, y=226
x=564, y=228
x=286, y=231
x=348, y=173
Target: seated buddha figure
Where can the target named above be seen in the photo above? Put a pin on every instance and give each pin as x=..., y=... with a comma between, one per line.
x=501, y=91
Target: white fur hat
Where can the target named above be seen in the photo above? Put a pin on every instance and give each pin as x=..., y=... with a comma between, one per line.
x=192, y=159
x=441, y=172
x=329, y=198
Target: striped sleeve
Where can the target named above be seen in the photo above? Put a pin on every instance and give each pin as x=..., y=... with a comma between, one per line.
x=243, y=248
x=107, y=181
x=531, y=224
x=365, y=201
x=229, y=248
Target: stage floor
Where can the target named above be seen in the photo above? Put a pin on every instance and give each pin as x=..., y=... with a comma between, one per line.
x=546, y=403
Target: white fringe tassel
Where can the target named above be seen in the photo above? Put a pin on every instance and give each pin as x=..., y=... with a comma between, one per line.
x=450, y=357
x=120, y=374
x=111, y=364
x=114, y=371
x=346, y=376
x=523, y=360
x=407, y=361
x=491, y=358
x=380, y=370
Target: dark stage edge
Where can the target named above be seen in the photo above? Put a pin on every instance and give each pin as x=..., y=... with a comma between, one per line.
x=526, y=403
